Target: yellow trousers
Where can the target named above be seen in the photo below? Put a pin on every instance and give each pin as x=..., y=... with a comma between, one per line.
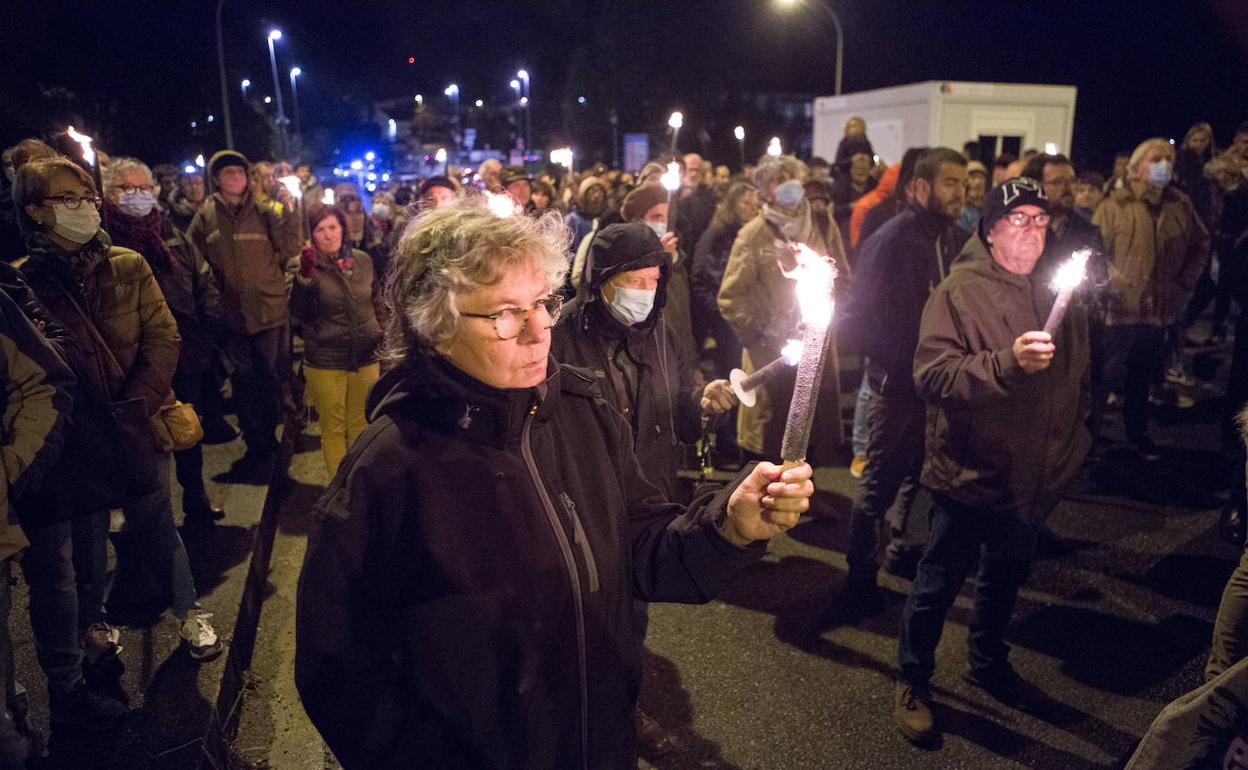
x=339, y=400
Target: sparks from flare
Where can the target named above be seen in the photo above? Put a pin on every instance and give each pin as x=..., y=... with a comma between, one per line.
x=88, y=154
x=792, y=352
x=812, y=275
x=1070, y=275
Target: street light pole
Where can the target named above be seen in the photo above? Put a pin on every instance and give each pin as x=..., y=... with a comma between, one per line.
x=281, y=119
x=452, y=91
x=295, y=72
x=831, y=15
x=225, y=93
x=527, y=101
x=739, y=133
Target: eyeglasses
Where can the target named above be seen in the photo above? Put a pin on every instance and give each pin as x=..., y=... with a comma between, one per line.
x=1022, y=219
x=1066, y=182
x=129, y=188
x=510, y=323
x=74, y=202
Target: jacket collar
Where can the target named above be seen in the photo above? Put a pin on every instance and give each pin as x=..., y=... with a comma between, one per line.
x=431, y=390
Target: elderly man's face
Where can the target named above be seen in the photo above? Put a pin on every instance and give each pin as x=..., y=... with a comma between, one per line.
x=476, y=348
x=645, y=279
x=693, y=170
x=1017, y=247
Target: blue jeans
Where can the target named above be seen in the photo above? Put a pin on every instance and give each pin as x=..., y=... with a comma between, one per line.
x=962, y=538
x=150, y=548
x=66, y=568
x=867, y=393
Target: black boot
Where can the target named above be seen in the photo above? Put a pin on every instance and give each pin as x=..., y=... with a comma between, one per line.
x=196, y=505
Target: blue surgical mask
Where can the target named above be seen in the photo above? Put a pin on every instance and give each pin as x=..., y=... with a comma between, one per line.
x=790, y=194
x=137, y=203
x=632, y=306
x=659, y=228
x=1159, y=173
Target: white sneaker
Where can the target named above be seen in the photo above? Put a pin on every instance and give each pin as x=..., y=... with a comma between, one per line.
x=201, y=640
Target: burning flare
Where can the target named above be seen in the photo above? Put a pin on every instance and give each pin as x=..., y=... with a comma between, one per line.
x=327, y=198
x=792, y=352
x=1070, y=275
x=500, y=204
x=85, y=141
x=292, y=183
x=671, y=179
x=813, y=275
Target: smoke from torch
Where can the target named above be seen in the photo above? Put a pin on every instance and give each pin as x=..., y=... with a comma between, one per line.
x=1068, y=278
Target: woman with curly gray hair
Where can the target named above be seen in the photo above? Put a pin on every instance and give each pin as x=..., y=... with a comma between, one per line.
x=466, y=597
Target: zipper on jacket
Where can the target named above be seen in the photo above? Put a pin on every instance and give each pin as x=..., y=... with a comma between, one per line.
x=569, y=562
x=581, y=540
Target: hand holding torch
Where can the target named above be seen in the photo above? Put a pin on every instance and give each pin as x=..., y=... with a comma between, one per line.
x=815, y=277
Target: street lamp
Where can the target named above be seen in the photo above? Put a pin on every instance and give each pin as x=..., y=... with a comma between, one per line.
x=739, y=133
x=525, y=101
x=295, y=72
x=830, y=15
x=675, y=122
x=245, y=85
x=452, y=92
x=281, y=120
x=225, y=94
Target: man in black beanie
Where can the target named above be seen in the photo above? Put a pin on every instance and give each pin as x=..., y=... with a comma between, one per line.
x=1006, y=404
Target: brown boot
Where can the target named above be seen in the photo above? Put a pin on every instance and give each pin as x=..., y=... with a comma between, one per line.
x=912, y=708
x=652, y=739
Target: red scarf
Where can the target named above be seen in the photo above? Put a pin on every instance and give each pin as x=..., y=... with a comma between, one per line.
x=142, y=234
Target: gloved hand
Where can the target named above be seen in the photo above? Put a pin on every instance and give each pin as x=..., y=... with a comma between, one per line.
x=307, y=261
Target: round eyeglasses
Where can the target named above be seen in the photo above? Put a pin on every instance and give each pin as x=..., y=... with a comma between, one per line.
x=510, y=323
x=73, y=202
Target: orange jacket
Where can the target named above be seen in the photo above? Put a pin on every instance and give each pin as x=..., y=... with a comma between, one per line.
x=887, y=184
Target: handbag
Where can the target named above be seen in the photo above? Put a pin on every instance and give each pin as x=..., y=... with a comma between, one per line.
x=177, y=426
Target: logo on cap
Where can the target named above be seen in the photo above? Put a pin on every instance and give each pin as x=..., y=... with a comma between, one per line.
x=1011, y=189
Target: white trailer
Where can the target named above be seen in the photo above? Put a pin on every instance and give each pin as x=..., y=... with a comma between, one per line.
x=1002, y=117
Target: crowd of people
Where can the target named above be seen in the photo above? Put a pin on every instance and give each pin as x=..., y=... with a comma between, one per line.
x=506, y=397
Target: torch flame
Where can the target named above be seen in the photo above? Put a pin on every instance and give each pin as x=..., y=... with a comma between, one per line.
x=813, y=275
x=676, y=120
x=671, y=180
x=792, y=352
x=500, y=204
x=292, y=184
x=1070, y=274
x=85, y=141
x=327, y=198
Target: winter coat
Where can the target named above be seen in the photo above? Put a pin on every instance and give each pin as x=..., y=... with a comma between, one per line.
x=760, y=305
x=191, y=292
x=122, y=299
x=863, y=205
x=249, y=248
x=998, y=438
x=644, y=373
x=339, y=313
x=1157, y=249
x=466, y=598
x=38, y=401
x=709, y=261
x=895, y=272
x=875, y=217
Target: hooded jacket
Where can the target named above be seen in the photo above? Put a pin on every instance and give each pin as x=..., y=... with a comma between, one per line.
x=248, y=247
x=997, y=437
x=1157, y=249
x=339, y=312
x=466, y=598
x=885, y=188
x=642, y=370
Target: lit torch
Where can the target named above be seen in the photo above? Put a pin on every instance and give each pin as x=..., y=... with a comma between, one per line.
x=1068, y=278
x=500, y=204
x=88, y=155
x=292, y=184
x=327, y=198
x=744, y=384
x=815, y=276
x=675, y=122
x=671, y=183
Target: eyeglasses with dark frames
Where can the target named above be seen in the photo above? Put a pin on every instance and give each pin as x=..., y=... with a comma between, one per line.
x=510, y=323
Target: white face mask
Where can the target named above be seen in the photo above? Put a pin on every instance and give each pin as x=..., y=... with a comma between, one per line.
x=632, y=306
x=659, y=228
x=77, y=226
x=137, y=203
x=381, y=211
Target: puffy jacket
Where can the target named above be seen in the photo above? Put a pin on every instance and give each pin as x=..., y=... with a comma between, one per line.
x=466, y=598
x=121, y=298
x=249, y=248
x=895, y=272
x=190, y=290
x=998, y=438
x=760, y=305
x=339, y=313
x=38, y=400
x=1157, y=248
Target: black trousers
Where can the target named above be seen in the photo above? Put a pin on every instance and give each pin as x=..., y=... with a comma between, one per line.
x=261, y=366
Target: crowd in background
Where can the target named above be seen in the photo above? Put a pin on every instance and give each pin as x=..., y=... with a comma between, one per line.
x=130, y=289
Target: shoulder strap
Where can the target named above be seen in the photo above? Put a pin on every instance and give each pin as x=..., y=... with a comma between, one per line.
x=100, y=344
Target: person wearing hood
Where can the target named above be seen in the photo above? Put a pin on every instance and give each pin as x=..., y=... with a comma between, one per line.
x=871, y=199
x=1006, y=407
x=761, y=306
x=618, y=331
x=337, y=298
x=1157, y=248
x=466, y=598
x=896, y=270
x=249, y=244
x=591, y=203
x=189, y=288
x=186, y=199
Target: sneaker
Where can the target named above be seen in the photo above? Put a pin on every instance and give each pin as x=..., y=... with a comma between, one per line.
x=200, y=638
x=652, y=740
x=1007, y=687
x=82, y=708
x=912, y=710
x=857, y=466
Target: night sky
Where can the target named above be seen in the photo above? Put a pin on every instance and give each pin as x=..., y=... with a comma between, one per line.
x=136, y=73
